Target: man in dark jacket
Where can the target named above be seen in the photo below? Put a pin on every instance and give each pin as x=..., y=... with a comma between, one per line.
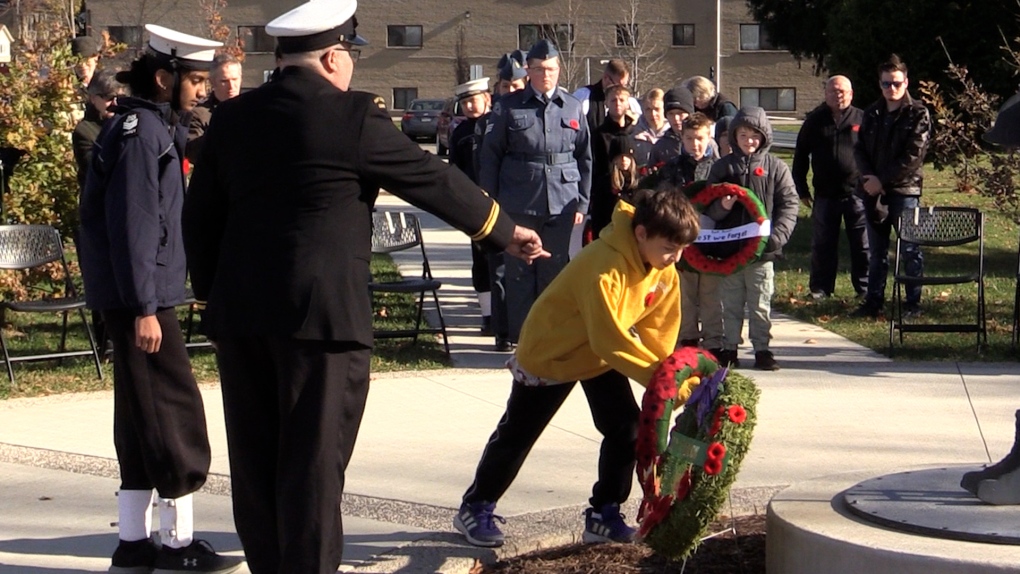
x=890, y=150
x=593, y=97
x=277, y=226
x=825, y=144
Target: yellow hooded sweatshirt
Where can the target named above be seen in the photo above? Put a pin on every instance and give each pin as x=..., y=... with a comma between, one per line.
x=606, y=310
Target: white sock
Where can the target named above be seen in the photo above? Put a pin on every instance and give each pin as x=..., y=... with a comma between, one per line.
x=176, y=521
x=134, y=514
x=485, y=303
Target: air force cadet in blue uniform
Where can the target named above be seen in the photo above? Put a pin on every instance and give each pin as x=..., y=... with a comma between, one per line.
x=132, y=261
x=536, y=161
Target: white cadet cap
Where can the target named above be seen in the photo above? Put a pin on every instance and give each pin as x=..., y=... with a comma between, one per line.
x=467, y=89
x=190, y=51
x=316, y=24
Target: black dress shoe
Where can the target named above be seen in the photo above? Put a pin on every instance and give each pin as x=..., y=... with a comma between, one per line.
x=504, y=345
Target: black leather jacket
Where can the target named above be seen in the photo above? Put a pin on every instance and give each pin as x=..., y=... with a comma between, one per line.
x=892, y=145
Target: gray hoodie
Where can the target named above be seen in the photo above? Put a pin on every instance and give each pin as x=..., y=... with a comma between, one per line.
x=764, y=174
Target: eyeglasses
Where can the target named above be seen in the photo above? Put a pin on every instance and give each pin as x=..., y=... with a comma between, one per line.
x=355, y=53
x=886, y=85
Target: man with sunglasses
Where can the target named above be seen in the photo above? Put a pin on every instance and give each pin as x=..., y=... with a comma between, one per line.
x=278, y=240
x=890, y=149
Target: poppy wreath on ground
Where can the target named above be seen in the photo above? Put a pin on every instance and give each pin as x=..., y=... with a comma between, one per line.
x=752, y=237
x=686, y=474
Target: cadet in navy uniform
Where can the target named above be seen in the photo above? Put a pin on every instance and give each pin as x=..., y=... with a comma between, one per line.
x=277, y=226
x=475, y=101
x=536, y=161
x=132, y=261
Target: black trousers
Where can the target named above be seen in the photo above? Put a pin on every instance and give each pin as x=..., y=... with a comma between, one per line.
x=826, y=216
x=292, y=412
x=480, y=276
x=158, y=416
x=497, y=286
x=528, y=412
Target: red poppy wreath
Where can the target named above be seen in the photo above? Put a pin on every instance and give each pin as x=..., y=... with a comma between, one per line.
x=752, y=237
x=686, y=474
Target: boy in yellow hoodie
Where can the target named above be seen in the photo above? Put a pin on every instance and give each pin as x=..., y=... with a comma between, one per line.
x=612, y=313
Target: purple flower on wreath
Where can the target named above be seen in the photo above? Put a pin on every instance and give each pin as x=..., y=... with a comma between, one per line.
x=704, y=395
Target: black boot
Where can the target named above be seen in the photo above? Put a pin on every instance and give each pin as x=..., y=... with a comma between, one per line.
x=971, y=480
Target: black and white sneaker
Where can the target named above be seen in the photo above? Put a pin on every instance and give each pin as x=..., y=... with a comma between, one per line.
x=134, y=557
x=198, y=556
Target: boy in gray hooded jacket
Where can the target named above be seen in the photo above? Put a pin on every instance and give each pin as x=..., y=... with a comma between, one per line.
x=752, y=166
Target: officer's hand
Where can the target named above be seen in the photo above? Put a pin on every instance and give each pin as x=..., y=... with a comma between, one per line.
x=148, y=334
x=526, y=244
x=578, y=218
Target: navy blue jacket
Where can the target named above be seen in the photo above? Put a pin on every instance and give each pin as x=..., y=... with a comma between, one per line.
x=131, y=249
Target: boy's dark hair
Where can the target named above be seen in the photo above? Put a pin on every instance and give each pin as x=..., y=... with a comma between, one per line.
x=666, y=213
x=696, y=121
x=893, y=64
x=617, y=68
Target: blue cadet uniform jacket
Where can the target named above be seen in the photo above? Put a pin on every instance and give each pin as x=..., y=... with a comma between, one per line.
x=131, y=249
x=536, y=156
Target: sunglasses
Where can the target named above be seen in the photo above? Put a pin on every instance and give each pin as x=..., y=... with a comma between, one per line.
x=886, y=85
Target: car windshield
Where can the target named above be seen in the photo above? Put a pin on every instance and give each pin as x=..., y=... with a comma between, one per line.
x=428, y=105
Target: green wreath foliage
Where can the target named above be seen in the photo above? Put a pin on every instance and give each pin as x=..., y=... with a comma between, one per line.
x=678, y=534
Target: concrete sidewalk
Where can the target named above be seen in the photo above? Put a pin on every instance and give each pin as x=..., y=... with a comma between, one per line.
x=835, y=407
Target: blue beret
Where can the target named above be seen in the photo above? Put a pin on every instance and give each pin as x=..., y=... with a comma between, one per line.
x=511, y=66
x=543, y=50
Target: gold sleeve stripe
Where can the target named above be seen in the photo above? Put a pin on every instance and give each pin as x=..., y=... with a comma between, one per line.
x=489, y=223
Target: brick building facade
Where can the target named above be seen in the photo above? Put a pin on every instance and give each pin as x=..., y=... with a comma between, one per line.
x=417, y=46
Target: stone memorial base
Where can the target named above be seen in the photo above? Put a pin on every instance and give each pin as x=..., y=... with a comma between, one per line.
x=914, y=521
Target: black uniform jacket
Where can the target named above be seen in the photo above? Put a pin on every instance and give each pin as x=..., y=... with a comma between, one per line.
x=130, y=246
x=277, y=220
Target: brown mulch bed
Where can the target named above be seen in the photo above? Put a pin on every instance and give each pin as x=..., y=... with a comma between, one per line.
x=743, y=553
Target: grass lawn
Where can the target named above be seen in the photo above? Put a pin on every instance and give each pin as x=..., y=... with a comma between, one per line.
x=940, y=304
x=39, y=333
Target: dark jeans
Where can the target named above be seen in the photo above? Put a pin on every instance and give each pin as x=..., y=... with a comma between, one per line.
x=879, y=235
x=292, y=410
x=826, y=216
x=528, y=412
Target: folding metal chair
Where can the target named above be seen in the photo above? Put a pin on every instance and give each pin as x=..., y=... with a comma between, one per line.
x=399, y=231
x=937, y=228
x=29, y=247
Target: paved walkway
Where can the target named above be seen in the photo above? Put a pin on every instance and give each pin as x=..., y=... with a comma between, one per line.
x=835, y=407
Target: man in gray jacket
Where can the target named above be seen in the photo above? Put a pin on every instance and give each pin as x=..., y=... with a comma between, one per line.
x=536, y=161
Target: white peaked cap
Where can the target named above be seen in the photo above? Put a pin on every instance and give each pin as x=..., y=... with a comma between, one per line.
x=316, y=24
x=193, y=50
x=471, y=88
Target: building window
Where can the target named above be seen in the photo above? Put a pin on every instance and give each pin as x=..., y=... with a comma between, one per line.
x=753, y=37
x=130, y=35
x=626, y=35
x=402, y=97
x=562, y=35
x=770, y=99
x=683, y=34
x=255, y=39
x=403, y=36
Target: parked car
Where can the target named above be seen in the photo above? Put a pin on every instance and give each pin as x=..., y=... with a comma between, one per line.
x=451, y=115
x=421, y=118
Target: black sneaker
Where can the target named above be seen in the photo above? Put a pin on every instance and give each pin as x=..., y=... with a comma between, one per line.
x=135, y=557
x=198, y=556
x=911, y=311
x=764, y=361
x=728, y=357
x=867, y=310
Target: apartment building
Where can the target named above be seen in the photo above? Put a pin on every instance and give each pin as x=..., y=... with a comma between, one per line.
x=420, y=48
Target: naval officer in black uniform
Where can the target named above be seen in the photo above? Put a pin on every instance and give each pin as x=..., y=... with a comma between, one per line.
x=278, y=234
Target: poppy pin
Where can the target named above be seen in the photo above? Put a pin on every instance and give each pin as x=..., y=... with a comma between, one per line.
x=856, y=127
x=649, y=299
x=758, y=171
x=574, y=124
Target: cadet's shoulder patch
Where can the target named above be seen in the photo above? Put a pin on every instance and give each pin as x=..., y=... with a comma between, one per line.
x=379, y=101
x=130, y=125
